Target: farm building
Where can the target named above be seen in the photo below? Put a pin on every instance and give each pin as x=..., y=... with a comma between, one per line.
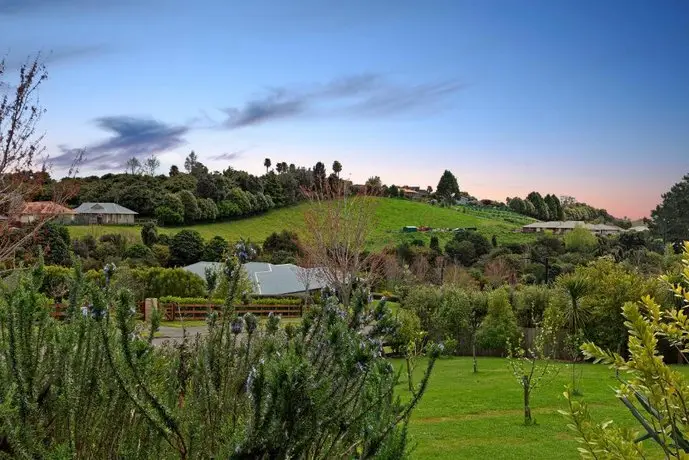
x=104, y=213
x=560, y=227
x=41, y=210
x=270, y=279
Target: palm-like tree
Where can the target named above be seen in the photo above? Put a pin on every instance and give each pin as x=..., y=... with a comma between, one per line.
x=337, y=167
x=267, y=164
x=577, y=287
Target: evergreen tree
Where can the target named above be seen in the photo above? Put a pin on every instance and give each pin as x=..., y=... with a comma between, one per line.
x=540, y=206
x=447, y=186
x=670, y=219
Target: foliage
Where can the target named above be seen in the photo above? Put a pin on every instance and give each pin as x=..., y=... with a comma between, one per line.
x=64, y=384
x=533, y=366
x=447, y=187
x=149, y=234
x=654, y=393
x=186, y=248
x=192, y=211
x=220, y=301
x=499, y=328
x=541, y=208
x=54, y=239
x=580, y=239
x=670, y=219
x=138, y=251
x=216, y=249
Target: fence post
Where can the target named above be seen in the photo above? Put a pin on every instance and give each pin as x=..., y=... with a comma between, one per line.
x=149, y=306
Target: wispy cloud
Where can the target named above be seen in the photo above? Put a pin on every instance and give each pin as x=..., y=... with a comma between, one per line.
x=363, y=95
x=131, y=137
x=229, y=156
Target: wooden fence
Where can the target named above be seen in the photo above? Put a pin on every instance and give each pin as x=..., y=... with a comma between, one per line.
x=173, y=311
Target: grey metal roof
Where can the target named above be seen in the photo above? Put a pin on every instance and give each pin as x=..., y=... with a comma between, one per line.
x=269, y=279
x=572, y=224
x=102, y=208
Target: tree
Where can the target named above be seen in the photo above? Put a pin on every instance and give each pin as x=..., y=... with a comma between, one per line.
x=186, y=248
x=499, y=328
x=652, y=391
x=133, y=166
x=447, y=187
x=337, y=168
x=670, y=219
x=462, y=252
x=577, y=287
x=580, y=239
x=555, y=210
x=319, y=177
x=191, y=206
x=149, y=234
x=20, y=147
x=337, y=233
x=190, y=162
x=373, y=185
x=151, y=165
x=533, y=366
x=216, y=249
x=478, y=309
x=267, y=164
x=541, y=208
x=517, y=205
x=174, y=170
x=54, y=240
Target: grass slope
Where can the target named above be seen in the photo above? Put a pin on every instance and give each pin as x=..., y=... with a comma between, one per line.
x=391, y=216
x=465, y=415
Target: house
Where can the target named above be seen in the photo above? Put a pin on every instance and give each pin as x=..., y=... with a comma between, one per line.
x=270, y=279
x=414, y=192
x=42, y=210
x=560, y=227
x=104, y=213
x=638, y=228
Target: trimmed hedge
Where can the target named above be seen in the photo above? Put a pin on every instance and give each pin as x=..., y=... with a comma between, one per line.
x=253, y=301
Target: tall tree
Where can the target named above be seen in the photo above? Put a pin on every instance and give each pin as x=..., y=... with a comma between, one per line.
x=133, y=166
x=267, y=164
x=555, y=210
x=670, y=219
x=151, y=165
x=337, y=168
x=537, y=200
x=447, y=186
x=190, y=161
x=319, y=177
x=174, y=170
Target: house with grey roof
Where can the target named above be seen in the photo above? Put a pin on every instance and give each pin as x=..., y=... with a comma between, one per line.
x=270, y=279
x=104, y=213
x=559, y=227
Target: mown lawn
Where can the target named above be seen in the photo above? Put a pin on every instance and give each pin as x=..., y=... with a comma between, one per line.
x=391, y=216
x=466, y=416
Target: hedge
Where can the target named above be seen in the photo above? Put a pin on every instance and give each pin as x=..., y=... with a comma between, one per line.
x=252, y=301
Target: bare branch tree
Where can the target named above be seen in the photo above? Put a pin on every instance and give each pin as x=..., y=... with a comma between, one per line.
x=338, y=227
x=21, y=147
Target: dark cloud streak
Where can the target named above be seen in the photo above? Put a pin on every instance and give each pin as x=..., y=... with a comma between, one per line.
x=363, y=95
x=131, y=137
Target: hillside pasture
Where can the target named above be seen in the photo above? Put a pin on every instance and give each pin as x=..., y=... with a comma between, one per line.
x=391, y=216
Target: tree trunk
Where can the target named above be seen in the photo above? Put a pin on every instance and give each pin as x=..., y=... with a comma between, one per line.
x=410, y=383
x=527, y=408
x=473, y=354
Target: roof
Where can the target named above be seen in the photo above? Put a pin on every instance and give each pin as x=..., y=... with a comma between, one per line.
x=638, y=228
x=282, y=279
x=44, y=208
x=103, y=208
x=572, y=224
x=269, y=279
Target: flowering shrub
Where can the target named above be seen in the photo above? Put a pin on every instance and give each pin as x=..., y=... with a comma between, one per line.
x=95, y=386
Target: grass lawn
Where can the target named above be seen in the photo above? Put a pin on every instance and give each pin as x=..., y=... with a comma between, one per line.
x=465, y=415
x=391, y=216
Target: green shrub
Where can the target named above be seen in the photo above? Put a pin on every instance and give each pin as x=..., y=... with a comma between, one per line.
x=499, y=328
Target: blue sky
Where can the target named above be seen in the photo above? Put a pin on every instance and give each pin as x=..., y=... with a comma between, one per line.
x=584, y=98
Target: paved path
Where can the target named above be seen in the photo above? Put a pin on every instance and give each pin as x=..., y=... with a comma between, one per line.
x=175, y=334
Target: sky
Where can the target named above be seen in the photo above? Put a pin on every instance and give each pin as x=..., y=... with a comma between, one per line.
x=586, y=98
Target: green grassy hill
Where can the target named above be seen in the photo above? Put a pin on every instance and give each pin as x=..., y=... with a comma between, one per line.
x=391, y=216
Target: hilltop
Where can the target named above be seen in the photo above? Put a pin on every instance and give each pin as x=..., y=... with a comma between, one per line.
x=391, y=215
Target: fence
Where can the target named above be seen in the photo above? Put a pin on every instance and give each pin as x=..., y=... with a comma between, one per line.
x=174, y=311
